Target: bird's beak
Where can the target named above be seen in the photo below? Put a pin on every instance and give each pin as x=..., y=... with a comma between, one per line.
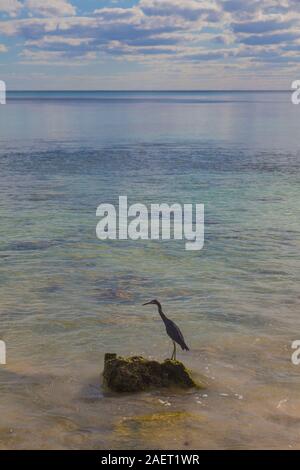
x=147, y=303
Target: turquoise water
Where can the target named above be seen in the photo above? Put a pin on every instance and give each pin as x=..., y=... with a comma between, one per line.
x=66, y=298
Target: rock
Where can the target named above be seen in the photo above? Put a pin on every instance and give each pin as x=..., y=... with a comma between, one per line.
x=137, y=374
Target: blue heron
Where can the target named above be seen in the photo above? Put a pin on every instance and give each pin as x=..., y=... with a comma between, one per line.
x=172, y=329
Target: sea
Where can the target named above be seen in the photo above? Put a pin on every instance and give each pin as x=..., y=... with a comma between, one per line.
x=67, y=298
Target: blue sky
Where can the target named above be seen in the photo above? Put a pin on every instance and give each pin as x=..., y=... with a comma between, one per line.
x=149, y=44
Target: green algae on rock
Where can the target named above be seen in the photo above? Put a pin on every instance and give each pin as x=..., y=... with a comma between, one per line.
x=137, y=374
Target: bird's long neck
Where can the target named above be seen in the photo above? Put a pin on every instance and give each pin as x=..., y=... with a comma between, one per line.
x=163, y=316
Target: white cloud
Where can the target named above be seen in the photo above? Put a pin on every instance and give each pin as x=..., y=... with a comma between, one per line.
x=188, y=9
x=48, y=8
x=3, y=48
x=10, y=7
x=54, y=57
x=117, y=13
x=58, y=40
x=41, y=55
x=162, y=30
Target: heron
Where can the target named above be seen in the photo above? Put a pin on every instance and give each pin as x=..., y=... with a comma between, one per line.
x=172, y=329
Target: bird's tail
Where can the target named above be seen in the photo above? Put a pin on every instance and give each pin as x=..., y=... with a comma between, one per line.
x=185, y=347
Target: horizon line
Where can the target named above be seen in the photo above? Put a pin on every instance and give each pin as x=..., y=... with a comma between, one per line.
x=153, y=91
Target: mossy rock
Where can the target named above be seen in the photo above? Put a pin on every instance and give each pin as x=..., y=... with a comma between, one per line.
x=137, y=374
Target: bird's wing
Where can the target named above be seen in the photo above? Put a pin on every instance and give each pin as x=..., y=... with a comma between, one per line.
x=175, y=333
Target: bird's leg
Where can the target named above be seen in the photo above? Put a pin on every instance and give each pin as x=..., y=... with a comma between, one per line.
x=174, y=352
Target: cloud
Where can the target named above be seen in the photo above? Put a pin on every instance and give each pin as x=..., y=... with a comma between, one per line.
x=48, y=8
x=40, y=55
x=190, y=10
x=240, y=31
x=111, y=14
x=241, y=8
x=261, y=26
x=57, y=57
x=97, y=27
x=270, y=39
x=57, y=40
x=10, y=7
x=205, y=56
x=3, y=48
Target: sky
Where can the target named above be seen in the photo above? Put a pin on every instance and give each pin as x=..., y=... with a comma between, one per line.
x=149, y=44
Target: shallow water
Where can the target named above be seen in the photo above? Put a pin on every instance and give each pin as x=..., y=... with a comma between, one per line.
x=66, y=298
